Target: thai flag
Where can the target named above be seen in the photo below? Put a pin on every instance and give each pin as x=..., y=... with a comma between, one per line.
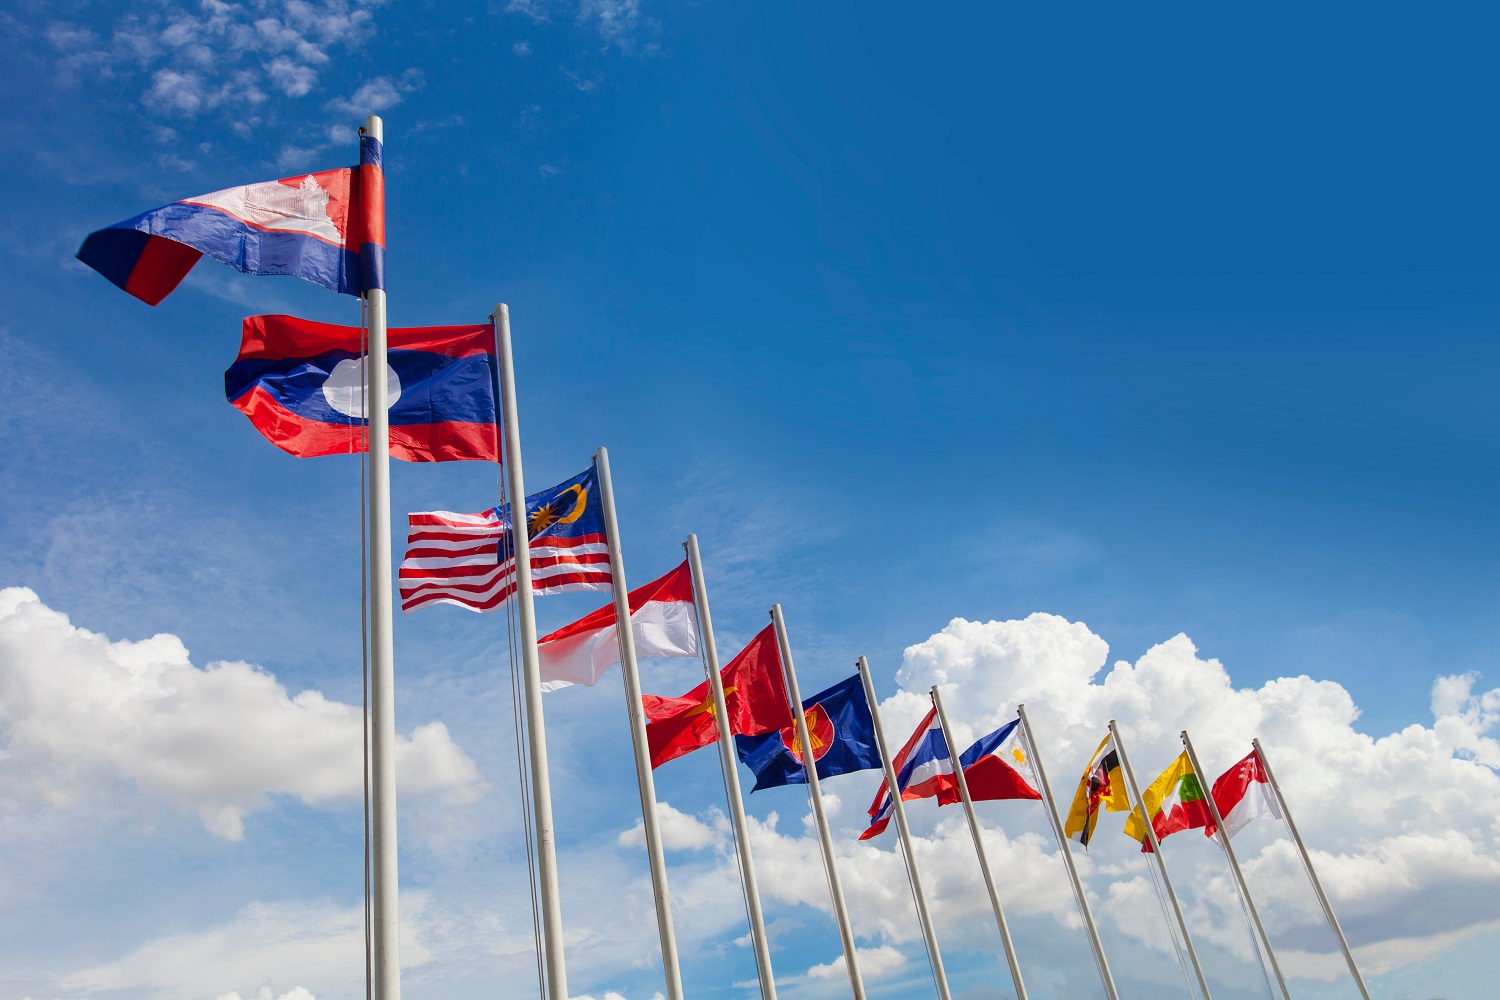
x=924, y=768
x=302, y=385
x=326, y=227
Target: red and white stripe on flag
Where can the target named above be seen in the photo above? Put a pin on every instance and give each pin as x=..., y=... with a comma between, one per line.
x=1243, y=793
x=663, y=620
x=455, y=559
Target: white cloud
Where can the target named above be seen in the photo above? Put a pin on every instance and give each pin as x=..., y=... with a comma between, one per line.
x=1404, y=828
x=79, y=713
x=874, y=963
x=679, y=831
x=379, y=94
x=522, y=48
x=216, y=55
x=317, y=945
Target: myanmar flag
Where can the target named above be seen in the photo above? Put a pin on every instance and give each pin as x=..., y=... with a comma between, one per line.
x=1175, y=801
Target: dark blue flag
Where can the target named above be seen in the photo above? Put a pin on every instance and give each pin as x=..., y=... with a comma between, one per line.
x=843, y=739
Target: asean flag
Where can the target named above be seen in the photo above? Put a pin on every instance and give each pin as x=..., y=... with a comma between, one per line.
x=326, y=227
x=300, y=382
x=754, y=700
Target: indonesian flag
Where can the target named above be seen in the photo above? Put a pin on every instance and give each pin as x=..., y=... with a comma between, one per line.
x=663, y=619
x=1243, y=793
x=1175, y=801
x=754, y=698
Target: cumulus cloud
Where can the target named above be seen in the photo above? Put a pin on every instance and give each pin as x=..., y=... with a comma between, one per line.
x=304, y=942
x=874, y=963
x=215, y=55
x=80, y=713
x=1404, y=828
x=379, y=94
x=679, y=831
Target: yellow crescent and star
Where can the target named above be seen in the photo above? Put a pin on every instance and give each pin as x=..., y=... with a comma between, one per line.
x=565, y=508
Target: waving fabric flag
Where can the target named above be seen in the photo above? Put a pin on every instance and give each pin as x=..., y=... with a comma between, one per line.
x=754, y=700
x=997, y=766
x=299, y=382
x=326, y=227
x=1174, y=801
x=843, y=739
x=1243, y=793
x=465, y=559
x=1101, y=783
x=924, y=768
x=662, y=618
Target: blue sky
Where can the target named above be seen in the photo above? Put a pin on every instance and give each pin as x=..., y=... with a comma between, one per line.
x=1162, y=322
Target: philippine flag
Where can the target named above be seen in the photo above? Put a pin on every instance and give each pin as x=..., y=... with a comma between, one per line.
x=326, y=227
x=924, y=768
x=997, y=766
x=300, y=383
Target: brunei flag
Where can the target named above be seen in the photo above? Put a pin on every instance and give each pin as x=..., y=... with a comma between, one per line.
x=1103, y=784
x=1175, y=801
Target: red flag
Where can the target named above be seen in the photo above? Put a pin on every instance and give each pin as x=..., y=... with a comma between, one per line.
x=754, y=697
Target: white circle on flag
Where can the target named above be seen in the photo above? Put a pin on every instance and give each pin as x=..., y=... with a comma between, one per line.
x=345, y=382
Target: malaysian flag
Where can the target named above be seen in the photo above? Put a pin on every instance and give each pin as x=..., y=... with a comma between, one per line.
x=465, y=559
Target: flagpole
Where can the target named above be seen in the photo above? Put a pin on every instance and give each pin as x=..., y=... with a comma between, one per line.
x=651, y=823
x=384, y=892
x=1312, y=875
x=825, y=839
x=1067, y=855
x=1161, y=865
x=729, y=758
x=1234, y=866
x=984, y=863
x=531, y=672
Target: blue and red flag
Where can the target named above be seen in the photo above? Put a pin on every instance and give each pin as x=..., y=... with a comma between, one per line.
x=924, y=768
x=842, y=733
x=997, y=766
x=326, y=227
x=299, y=382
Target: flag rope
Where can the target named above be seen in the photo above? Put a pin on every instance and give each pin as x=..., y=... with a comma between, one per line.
x=523, y=747
x=733, y=836
x=1161, y=899
x=364, y=626
x=1260, y=955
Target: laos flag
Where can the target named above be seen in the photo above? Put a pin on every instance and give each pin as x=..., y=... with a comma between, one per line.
x=327, y=228
x=300, y=383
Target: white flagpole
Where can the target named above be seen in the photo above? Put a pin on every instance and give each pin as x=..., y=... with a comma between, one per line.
x=384, y=890
x=1234, y=865
x=1312, y=875
x=531, y=672
x=651, y=823
x=825, y=839
x=984, y=863
x=1161, y=865
x=934, y=957
x=729, y=758
x=1067, y=855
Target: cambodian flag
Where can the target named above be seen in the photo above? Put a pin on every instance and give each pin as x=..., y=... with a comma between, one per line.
x=300, y=382
x=327, y=227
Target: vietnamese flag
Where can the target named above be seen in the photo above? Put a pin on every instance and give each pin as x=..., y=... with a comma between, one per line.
x=754, y=697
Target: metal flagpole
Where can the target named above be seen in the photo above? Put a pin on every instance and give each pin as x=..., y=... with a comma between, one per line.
x=1312, y=875
x=531, y=672
x=984, y=863
x=651, y=823
x=1161, y=865
x=384, y=889
x=825, y=839
x=1067, y=855
x=1234, y=866
x=939, y=976
x=730, y=760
